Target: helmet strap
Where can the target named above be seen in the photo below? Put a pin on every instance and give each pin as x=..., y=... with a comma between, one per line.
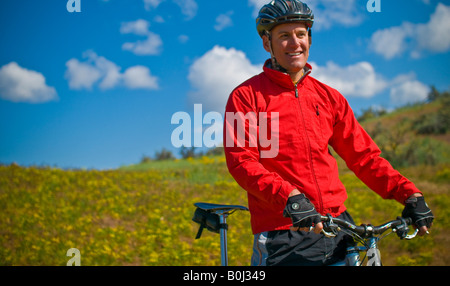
x=274, y=61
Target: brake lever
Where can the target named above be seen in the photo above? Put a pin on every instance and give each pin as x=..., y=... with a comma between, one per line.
x=328, y=234
x=330, y=225
x=402, y=231
x=411, y=236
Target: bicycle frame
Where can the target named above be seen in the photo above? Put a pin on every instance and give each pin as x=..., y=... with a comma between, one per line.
x=352, y=257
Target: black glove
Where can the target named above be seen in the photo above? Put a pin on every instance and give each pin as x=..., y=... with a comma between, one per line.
x=418, y=210
x=301, y=211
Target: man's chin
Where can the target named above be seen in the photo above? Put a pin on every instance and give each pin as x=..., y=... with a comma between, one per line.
x=295, y=67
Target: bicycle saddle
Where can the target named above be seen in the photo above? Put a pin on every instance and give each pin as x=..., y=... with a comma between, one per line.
x=218, y=207
x=207, y=215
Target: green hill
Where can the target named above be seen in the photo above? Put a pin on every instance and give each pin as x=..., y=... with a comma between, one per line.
x=413, y=135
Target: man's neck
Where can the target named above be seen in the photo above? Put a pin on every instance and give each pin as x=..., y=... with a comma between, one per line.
x=295, y=77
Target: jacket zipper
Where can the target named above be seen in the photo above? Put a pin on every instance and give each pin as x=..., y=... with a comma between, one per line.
x=309, y=149
x=300, y=80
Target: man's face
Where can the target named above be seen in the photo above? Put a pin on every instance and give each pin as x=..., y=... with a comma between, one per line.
x=290, y=45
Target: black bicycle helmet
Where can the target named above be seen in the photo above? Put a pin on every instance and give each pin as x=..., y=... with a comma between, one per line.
x=283, y=11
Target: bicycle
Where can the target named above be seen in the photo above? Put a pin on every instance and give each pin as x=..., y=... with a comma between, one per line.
x=213, y=218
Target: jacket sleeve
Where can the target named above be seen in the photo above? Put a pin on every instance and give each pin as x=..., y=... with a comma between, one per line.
x=243, y=154
x=362, y=156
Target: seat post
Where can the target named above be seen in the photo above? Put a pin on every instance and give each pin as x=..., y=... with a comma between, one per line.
x=223, y=237
x=222, y=211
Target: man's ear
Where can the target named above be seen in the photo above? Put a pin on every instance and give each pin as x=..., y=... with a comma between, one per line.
x=266, y=43
x=310, y=37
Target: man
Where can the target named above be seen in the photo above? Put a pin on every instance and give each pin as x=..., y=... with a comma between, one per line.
x=287, y=192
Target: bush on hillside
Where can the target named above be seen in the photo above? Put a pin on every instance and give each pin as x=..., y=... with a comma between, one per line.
x=435, y=123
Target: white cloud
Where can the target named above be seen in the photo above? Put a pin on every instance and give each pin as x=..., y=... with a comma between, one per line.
x=158, y=19
x=152, y=45
x=183, y=39
x=138, y=27
x=407, y=89
x=99, y=70
x=390, y=42
x=214, y=75
x=188, y=8
x=358, y=80
x=149, y=4
x=257, y=5
x=326, y=12
x=19, y=84
x=223, y=21
x=433, y=36
x=139, y=77
x=361, y=80
x=109, y=71
x=81, y=75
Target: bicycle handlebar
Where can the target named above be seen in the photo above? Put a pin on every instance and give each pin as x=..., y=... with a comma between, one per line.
x=400, y=226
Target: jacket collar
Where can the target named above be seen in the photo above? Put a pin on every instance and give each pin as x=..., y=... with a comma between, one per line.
x=283, y=79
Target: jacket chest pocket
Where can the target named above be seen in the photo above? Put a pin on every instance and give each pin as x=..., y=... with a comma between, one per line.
x=317, y=118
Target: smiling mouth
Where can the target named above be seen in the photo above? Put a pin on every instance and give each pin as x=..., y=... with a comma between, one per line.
x=295, y=54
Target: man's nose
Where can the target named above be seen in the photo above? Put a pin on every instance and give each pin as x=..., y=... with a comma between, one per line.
x=294, y=41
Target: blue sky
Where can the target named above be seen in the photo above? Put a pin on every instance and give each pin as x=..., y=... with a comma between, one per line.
x=98, y=88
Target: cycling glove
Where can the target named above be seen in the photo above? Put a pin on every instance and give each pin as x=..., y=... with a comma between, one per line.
x=418, y=210
x=301, y=211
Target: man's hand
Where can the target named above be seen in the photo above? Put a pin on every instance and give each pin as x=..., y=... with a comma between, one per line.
x=417, y=209
x=302, y=212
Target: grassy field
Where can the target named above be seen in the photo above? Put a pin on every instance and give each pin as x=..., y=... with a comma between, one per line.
x=141, y=215
x=119, y=217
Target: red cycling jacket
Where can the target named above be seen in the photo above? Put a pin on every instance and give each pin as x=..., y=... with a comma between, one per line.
x=311, y=116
